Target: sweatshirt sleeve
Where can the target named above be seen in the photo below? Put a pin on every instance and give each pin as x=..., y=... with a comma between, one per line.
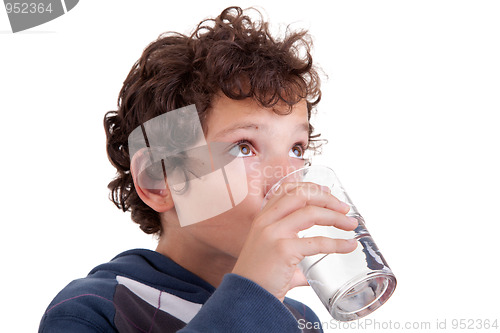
x=64, y=324
x=241, y=305
x=83, y=306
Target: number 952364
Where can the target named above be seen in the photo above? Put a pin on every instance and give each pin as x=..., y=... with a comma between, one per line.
x=27, y=8
x=473, y=324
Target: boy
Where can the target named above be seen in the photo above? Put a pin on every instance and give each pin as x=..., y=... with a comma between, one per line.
x=218, y=267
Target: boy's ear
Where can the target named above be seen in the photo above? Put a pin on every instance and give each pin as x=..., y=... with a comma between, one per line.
x=150, y=182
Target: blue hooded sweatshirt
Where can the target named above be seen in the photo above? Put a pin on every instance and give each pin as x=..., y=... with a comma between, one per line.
x=143, y=291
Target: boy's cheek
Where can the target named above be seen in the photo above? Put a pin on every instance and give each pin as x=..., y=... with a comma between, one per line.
x=205, y=198
x=254, y=177
x=235, y=176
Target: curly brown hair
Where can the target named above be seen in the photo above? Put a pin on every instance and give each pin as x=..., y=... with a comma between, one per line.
x=230, y=54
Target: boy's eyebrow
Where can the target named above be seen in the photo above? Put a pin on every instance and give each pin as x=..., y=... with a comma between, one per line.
x=255, y=126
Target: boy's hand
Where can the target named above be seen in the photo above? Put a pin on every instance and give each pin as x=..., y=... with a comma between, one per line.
x=272, y=249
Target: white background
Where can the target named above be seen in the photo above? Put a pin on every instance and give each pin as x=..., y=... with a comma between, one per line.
x=410, y=109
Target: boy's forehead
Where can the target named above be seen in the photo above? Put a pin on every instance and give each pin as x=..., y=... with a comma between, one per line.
x=227, y=115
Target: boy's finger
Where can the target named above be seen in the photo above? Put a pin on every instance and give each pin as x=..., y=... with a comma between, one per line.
x=309, y=246
x=298, y=196
x=309, y=216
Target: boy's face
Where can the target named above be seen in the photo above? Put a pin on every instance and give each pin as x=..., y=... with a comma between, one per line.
x=270, y=146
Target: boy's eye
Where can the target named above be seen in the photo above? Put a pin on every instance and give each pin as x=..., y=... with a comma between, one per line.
x=297, y=152
x=242, y=150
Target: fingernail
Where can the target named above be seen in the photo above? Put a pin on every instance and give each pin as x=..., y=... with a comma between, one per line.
x=325, y=189
x=353, y=220
x=345, y=206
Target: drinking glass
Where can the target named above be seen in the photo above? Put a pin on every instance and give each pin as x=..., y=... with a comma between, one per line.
x=350, y=285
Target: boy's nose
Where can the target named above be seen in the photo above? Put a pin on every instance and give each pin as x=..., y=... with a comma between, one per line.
x=274, y=172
